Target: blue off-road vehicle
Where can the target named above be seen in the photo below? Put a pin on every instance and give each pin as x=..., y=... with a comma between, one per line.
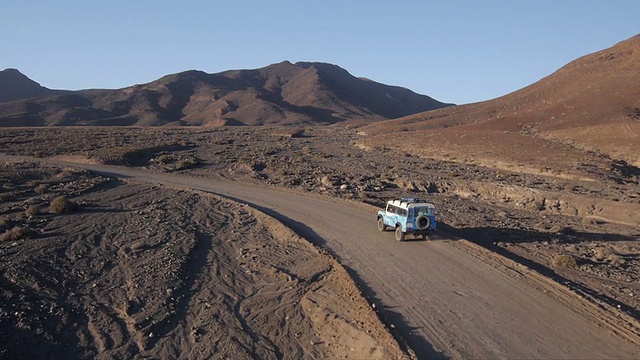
x=408, y=216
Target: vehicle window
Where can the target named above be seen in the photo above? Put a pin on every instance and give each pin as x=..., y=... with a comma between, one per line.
x=397, y=210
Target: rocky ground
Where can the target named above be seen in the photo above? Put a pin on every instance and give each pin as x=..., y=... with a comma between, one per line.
x=580, y=230
x=124, y=270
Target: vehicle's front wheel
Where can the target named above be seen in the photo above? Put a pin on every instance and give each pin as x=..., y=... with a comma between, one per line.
x=399, y=233
x=381, y=225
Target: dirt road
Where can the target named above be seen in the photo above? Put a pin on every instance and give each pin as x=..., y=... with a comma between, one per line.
x=446, y=297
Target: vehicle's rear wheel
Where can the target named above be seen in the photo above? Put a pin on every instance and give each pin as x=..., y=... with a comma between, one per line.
x=381, y=225
x=399, y=234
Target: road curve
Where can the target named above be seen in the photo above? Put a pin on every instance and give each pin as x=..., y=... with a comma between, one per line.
x=447, y=300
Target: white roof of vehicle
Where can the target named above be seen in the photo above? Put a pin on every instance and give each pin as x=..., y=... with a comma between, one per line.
x=410, y=203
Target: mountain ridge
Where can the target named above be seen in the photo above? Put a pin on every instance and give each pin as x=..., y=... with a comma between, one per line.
x=304, y=93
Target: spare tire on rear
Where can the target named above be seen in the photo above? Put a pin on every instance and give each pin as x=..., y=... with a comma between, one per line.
x=423, y=222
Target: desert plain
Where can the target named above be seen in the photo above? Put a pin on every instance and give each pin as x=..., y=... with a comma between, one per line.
x=165, y=268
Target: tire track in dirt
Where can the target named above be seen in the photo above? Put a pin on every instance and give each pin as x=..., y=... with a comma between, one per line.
x=122, y=311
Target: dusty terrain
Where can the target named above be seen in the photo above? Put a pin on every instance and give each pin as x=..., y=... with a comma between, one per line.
x=581, y=231
x=149, y=271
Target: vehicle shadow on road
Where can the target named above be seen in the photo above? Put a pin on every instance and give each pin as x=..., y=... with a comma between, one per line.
x=567, y=235
x=489, y=237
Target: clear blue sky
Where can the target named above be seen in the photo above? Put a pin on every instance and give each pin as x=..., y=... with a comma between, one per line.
x=458, y=51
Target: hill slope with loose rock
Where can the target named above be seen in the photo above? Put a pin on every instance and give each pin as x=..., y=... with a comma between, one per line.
x=585, y=117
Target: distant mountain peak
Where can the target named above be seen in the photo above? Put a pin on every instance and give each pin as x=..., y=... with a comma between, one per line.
x=10, y=75
x=14, y=85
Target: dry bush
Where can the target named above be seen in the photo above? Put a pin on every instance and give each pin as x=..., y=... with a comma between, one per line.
x=32, y=210
x=40, y=189
x=65, y=174
x=162, y=159
x=566, y=261
x=187, y=163
x=289, y=133
x=5, y=222
x=70, y=173
x=62, y=205
x=18, y=233
x=600, y=253
x=615, y=260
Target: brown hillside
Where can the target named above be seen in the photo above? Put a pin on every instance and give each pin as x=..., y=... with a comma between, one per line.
x=282, y=94
x=583, y=118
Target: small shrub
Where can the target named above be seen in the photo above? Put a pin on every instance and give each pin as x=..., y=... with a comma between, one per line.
x=137, y=245
x=5, y=222
x=32, y=210
x=162, y=159
x=65, y=174
x=187, y=163
x=40, y=189
x=18, y=233
x=62, y=205
x=567, y=261
x=615, y=260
